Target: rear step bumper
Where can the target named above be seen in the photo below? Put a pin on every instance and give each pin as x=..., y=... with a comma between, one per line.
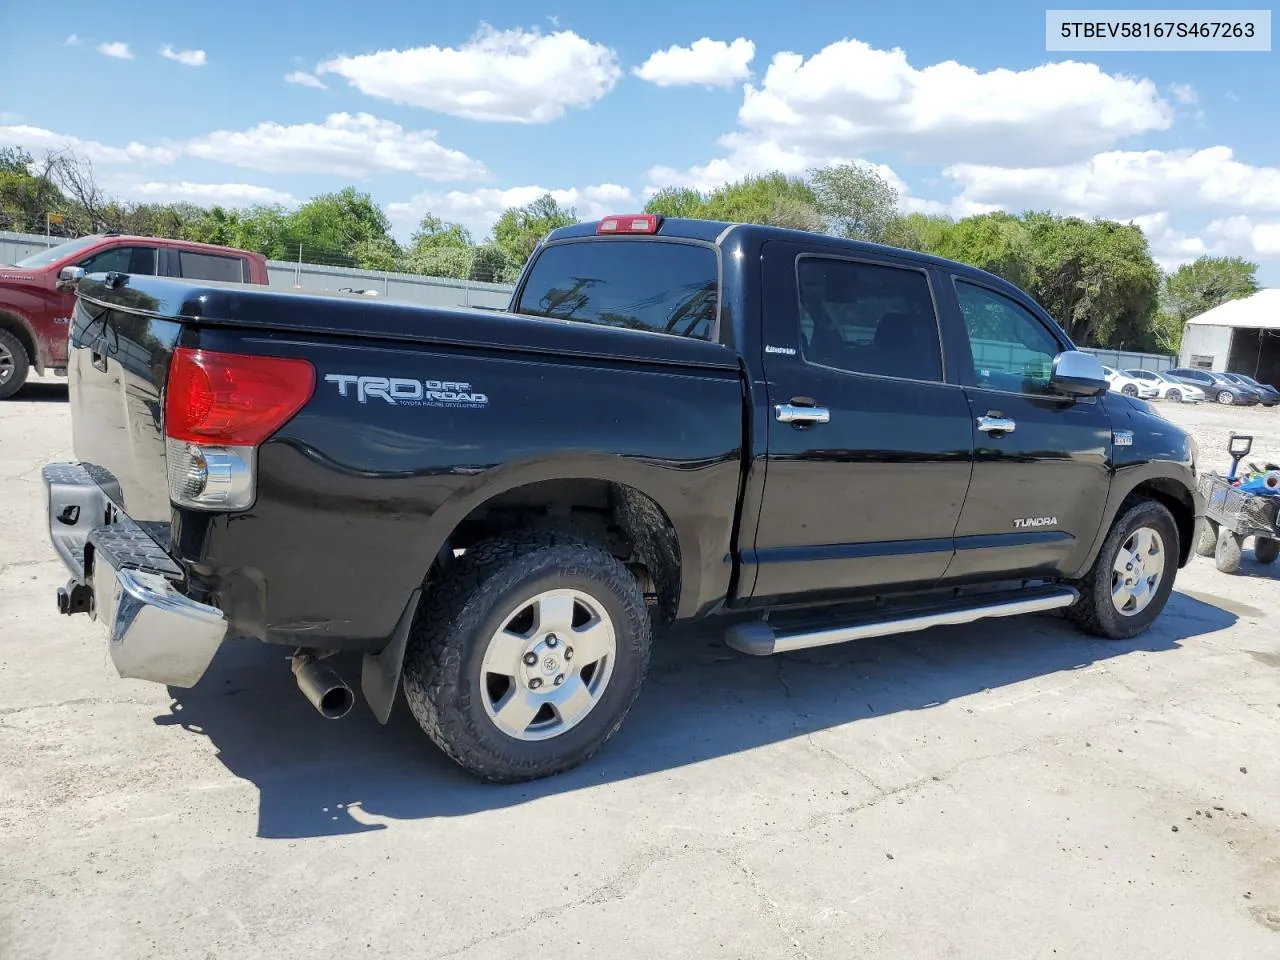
x=154, y=631
x=759, y=638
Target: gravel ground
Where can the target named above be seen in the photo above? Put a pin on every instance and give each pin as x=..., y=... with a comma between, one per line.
x=1005, y=791
x=1212, y=425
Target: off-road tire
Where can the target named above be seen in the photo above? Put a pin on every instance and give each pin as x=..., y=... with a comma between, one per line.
x=1207, y=539
x=462, y=610
x=21, y=364
x=1226, y=556
x=1094, y=613
x=1266, y=549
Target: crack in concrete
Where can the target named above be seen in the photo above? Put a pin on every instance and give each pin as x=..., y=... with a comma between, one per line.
x=809, y=735
x=621, y=886
x=76, y=702
x=771, y=908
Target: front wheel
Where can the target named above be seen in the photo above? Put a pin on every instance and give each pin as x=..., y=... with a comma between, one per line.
x=1266, y=549
x=14, y=364
x=1130, y=581
x=1225, y=397
x=1175, y=396
x=1226, y=556
x=527, y=655
x=1207, y=541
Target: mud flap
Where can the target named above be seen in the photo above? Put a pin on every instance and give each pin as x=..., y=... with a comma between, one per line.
x=380, y=672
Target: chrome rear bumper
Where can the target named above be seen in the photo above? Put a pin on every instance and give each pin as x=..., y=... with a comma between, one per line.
x=154, y=631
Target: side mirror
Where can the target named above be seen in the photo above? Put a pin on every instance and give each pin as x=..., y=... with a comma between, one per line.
x=1078, y=374
x=68, y=277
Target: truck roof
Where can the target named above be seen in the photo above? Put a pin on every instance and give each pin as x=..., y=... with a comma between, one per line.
x=185, y=244
x=720, y=231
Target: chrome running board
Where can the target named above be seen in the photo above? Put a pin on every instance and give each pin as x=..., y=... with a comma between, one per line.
x=759, y=638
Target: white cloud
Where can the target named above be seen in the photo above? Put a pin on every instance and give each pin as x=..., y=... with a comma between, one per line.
x=851, y=96
x=478, y=209
x=192, y=58
x=1126, y=183
x=304, y=79
x=707, y=62
x=1244, y=235
x=1184, y=93
x=512, y=76
x=225, y=194
x=349, y=145
x=36, y=140
x=72, y=41
x=116, y=49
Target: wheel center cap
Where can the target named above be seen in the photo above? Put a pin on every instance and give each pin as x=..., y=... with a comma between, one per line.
x=550, y=664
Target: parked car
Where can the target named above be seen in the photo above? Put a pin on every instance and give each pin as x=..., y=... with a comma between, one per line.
x=1268, y=395
x=495, y=508
x=37, y=298
x=1129, y=386
x=1167, y=388
x=1216, y=386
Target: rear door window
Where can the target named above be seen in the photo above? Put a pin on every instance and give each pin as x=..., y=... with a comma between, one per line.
x=868, y=318
x=655, y=285
x=138, y=260
x=209, y=266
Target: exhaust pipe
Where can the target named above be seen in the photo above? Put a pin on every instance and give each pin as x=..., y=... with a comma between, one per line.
x=324, y=688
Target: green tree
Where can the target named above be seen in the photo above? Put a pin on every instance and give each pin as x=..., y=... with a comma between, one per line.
x=490, y=264
x=677, y=202
x=520, y=229
x=772, y=199
x=27, y=193
x=434, y=233
x=1207, y=283
x=856, y=201
x=1097, y=278
x=334, y=227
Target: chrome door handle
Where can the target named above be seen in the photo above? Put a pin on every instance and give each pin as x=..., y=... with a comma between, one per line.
x=791, y=413
x=996, y=425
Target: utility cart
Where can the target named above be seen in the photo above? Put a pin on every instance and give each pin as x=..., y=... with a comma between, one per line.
x=1232, y=514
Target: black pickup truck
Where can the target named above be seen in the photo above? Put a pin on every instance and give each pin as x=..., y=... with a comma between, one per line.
x=814, y=440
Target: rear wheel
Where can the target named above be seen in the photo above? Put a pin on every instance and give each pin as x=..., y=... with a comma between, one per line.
x=1225, y=397
x=14, y=364
x=1207, y=541
x=1266, y=549
x=527, y=655
x=1129, y=390
x=1226, y=556
x=1130, y=581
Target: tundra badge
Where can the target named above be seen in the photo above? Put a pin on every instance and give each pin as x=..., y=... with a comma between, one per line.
x=1023, y=522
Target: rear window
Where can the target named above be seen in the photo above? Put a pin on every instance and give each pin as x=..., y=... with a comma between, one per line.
x=659, y=286
x=206, y=266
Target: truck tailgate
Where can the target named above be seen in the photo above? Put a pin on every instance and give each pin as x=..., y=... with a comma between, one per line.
x=116, y=372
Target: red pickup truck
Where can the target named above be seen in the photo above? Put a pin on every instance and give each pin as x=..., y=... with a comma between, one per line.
x=37, y=294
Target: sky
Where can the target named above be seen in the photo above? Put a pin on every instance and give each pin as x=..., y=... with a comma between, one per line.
x=464, y=109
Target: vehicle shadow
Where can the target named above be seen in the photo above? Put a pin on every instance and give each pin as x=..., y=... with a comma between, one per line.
x=317, y=777
x=37, y=392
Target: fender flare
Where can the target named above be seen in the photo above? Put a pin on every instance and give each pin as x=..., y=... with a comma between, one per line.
x=579, y=465
x=1174, y=478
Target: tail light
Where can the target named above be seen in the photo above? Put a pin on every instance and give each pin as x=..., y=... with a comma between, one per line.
x=219, y=407
x=629, y=223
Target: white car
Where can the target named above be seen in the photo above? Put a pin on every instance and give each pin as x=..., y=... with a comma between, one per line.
x=1169, y=389
x=1129, y=386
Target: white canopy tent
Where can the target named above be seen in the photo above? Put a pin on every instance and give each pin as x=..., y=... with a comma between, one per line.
x=1239, y=336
